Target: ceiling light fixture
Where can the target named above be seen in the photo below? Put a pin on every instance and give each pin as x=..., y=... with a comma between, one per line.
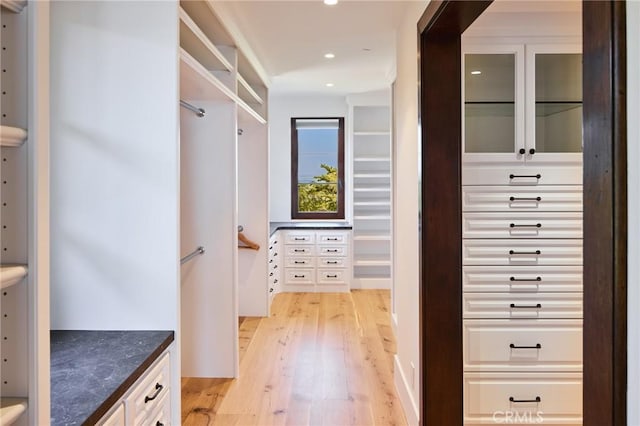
x=329, y=55
x=476, y=72
x=329, y=84
x=330, y=2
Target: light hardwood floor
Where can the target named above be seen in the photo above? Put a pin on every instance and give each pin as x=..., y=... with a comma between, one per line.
x=320, y=359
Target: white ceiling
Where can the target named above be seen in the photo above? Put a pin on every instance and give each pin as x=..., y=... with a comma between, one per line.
x=290, y=38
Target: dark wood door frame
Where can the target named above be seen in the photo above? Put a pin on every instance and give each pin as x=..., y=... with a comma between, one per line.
x=605, y=211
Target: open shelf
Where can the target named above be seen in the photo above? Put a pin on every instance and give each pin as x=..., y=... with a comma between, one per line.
x=545, y=109
x=194, y=41
x=372, y=189
x=11, y=409
x=246, y=114
x=372, y=237
x=12, y=136
x=373, y=133
x=12, y=274
x=372, y=159
x=372, y=260
x=196, y=83
x=372, y=175
x=384, y=203
x=15, y=6
x=246, y=92
x=203, y=15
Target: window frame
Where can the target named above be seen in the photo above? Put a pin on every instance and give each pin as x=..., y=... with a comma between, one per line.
x=340, y=213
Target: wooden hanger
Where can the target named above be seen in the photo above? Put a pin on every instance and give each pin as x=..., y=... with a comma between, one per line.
x=248, y=244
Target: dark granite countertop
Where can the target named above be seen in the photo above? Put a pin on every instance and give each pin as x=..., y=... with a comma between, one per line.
x=274, y=226
x=91, y=370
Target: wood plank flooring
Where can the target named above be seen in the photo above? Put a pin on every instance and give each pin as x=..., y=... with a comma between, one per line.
x=320, y=359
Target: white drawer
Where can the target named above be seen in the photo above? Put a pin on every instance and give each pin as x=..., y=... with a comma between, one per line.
x=335, y=237
x=332, y=251
x=518, y=279
x=522, y=345
x=490, y=397
x=522, y=198
x=162, y=415
x=522, y=252
x=522, y=305
x=115, y=418
x=146, y=395
x=332, y=276
x=300, y=250
x=300, y=237
x=522, y=225
x=333, y=262
x=300, y=276
x=300, y=262
x=497, y=174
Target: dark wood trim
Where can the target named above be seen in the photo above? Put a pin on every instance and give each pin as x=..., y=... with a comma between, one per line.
x=605, y=213
x=295, y=214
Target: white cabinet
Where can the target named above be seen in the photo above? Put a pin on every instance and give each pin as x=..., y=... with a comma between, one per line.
x=317, y=260
x=522, y=233
x=275, y=264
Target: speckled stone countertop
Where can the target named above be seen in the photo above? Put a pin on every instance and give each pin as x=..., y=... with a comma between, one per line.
x=274, y=226
x=91, y=370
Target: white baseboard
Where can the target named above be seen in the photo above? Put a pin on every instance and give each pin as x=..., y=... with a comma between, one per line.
x=404, y=393
x=371, y=284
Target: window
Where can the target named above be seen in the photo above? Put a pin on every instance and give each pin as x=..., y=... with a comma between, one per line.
x=317, y=168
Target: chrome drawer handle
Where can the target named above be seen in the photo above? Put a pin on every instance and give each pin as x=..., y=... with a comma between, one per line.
x=525, y=279
x=525, y=199
x=515, y=225
x=536, y=306
x=298, y=276
x=159, y=388
x=512, y=399
x=538, y=176
x=537, y=346
x=525, y=252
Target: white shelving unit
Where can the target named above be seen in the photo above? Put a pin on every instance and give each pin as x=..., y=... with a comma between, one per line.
x=371, y=154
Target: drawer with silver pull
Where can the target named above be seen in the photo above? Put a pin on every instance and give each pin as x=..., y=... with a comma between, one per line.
x=299, y=276
x=521, y=252
x=537, y=398
x=551, y=198
x=522, y=305
x=300, y=262
x=522, y=345
x=522, y=279
x=296, y=250
x=522, y=225
x=300, y=237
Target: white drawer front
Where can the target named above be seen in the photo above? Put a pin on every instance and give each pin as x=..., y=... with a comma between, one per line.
x=522, y=305
x=487, y=398
x=522, y=345
x=300, y=237
x=332, y=276
x=333, y=262
x=300, y=250
x=300, y=276
x=549, y=198
x=519, y=279
x=522, y=252
x=333, y=237
x=146, y=395
x=332, y=251
x=162, y=415
x=522, y=225
x=300, y=262
x=521, y=175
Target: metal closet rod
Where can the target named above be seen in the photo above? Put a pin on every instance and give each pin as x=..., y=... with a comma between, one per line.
x=196, y=252
x=198, y=111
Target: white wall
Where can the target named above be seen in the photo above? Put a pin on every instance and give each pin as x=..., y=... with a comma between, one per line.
x=281, y=110
x=633, y=144
x=406, y=214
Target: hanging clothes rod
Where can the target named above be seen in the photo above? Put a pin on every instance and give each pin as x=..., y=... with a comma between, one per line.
x=198, y=111
x=196, y=252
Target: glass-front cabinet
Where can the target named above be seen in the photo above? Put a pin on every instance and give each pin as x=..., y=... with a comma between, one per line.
x=522, y=103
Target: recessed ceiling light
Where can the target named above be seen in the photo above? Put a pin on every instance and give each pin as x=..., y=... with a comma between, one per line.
x=329, y=85
x=329, y=55
x=476, y=72
x=330, y=2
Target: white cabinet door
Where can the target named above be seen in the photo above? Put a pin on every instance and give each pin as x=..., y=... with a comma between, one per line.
x=522, y=225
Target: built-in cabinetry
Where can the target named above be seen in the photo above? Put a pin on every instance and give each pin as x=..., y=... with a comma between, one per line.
x=275, y=254
x=522, y=233
x=371, y=153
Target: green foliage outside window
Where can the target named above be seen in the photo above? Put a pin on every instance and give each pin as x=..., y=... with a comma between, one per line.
x=322, y=194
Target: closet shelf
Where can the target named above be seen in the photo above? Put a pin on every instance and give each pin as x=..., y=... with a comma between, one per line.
x=247, y=115
x=11, y=409
x=372, y=175
x=372, y=217
x=12, y=136
x=198, y=84
x=371, y=261
x=12, y=274
x=372, y=204
x=372, y=133
x=371, y=159
x=15, y=6
x=246, y=92
x=193, y=40
x=372, y=237
x=372, y=189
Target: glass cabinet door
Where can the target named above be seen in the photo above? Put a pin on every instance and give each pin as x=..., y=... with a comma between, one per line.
x=489, y=102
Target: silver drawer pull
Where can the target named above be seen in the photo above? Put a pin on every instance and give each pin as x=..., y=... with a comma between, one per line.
x=159, y=388
x=536, y=306
x=537, y=399
x=525, y=198
x=525, y=279
x=537, y=252
x=515, y=225
x=537, y=346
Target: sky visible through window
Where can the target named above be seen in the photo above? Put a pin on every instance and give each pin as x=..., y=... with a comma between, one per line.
x=316, y=147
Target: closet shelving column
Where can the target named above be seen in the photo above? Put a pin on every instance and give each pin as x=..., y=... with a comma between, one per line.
x=371, y=196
